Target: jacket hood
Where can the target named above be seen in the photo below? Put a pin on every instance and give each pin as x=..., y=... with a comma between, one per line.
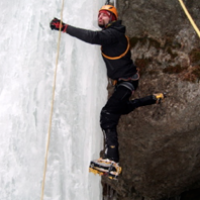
x=117, y=25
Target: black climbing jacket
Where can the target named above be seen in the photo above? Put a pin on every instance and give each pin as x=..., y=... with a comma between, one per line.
x=114, y=43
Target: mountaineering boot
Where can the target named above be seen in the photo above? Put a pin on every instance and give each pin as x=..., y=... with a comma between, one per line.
x=159, y=97
x=105, y=167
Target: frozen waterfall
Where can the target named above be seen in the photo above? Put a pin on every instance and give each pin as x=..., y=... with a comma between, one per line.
x=27, y=56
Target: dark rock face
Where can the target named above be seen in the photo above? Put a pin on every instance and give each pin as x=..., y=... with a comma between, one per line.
x=160, y=144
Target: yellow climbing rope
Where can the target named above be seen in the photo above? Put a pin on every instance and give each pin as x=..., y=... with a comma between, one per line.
x=52, y=105
x=190, y=18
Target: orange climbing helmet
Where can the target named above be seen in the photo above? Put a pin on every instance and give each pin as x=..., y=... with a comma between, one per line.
x=111, y=9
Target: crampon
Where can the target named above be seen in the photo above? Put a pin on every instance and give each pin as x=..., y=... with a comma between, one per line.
x=105, y=167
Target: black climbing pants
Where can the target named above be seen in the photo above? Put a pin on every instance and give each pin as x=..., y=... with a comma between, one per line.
x=118, y=104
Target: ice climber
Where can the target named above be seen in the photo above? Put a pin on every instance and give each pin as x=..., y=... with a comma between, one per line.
x=115, y=49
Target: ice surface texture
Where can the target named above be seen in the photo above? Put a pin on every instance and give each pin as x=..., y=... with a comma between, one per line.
x=27, y=56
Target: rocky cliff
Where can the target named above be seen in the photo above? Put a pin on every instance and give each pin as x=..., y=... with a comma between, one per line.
x=160, y=144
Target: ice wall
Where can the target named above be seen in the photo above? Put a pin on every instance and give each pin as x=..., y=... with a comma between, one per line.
x=27, y=62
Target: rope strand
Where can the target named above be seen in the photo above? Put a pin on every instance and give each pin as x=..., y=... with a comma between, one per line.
x=52, y=106
x=190, y=18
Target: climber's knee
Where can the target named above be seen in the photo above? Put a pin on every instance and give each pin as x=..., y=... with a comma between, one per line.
x=108, y=120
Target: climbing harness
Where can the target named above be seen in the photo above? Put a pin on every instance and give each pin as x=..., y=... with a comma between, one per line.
x=127, y=82
x=190, y=18
x=120, y=56
x=127, y=85
x=52, y=104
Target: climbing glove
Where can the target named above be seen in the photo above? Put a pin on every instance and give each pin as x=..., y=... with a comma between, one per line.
x=55, y=25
